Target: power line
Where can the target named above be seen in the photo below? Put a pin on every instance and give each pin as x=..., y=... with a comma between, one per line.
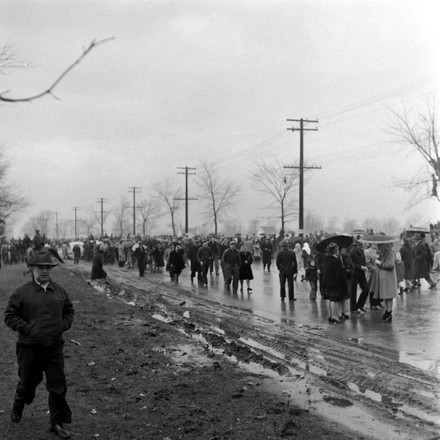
x=187, y=173
x=134, y=190
x=75, y=208
x=301, y=167
x=101, y=201
x=267, y=145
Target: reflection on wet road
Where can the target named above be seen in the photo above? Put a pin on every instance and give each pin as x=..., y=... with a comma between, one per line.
x=412, y=337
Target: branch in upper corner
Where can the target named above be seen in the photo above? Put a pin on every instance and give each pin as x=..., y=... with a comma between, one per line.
x=49, y=91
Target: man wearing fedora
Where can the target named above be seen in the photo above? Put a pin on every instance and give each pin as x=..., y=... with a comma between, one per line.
x=41, y=311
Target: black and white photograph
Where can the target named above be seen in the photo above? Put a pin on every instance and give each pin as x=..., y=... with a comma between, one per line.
x=220, y=219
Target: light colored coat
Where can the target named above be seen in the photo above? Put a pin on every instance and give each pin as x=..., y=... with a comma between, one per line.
x=386, y=287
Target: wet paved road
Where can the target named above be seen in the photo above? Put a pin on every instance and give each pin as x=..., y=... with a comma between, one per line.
x=413, y=336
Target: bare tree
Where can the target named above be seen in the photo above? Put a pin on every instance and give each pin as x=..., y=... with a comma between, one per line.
x=350, y=224
x=11, y=201
x=65, y=228
x=170, y=197
x=313, y=222
x=418, y=132
x=120, y=213
x=8, y=59
x=5, y=62
x=218, y=195
x=148, y=210
x=89, y=224
x=332, y=224
x=42, y=221
x=271, y=179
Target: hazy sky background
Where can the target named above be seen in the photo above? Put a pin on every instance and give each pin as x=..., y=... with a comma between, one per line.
x=186, y=81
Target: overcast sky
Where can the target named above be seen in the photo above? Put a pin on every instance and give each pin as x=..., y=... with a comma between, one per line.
x=186, y=81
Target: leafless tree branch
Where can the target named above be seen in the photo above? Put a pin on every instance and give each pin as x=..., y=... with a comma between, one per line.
x=49, y=91
x=419, y=133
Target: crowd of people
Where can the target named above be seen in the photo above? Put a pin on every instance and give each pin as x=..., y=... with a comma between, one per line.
x=347, y=272
x=347, y=277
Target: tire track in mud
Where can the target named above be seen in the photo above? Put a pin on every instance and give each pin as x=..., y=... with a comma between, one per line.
x=368, y=374
x=344, y=364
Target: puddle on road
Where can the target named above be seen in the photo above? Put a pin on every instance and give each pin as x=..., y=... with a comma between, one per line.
x=303, y=365
x=307, y=396
x=162, y=318
x=377, y=397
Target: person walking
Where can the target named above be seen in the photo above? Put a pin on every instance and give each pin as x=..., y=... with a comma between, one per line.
x=359, y=278
x=231, y=265
x=76, y=253
x=422, y=262
x=204, y=258
x=214, y=245
x=386, y=286
x=41, y=311
x=306, y=256
x=299, y=261
x=98, y=272
x=176, y=262
x=334, y=283
x=121, y=254
x=312, y=278
x=194, y=262
x=347, y=264
x=140, y=253
x=288, y=268
x=245, y=271
x=371, y=256
x=400, y=273
x=266, y=252
x=406, y=253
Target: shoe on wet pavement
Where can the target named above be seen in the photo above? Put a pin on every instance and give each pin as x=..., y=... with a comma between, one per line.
x=60, y=432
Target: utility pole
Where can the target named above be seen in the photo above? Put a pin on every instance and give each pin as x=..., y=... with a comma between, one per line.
x=134, y=189
x=76, y=221
x=101, y=201
x=56, y=224
x=186, y=172
x=301, y=167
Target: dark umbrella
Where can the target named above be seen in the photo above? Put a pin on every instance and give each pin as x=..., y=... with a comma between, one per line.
x=379, y=239
x=342, y=240
x=355, y=232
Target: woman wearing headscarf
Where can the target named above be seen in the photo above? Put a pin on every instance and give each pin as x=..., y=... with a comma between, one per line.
x=306, y=255
x=386, y=287
x=300, y=262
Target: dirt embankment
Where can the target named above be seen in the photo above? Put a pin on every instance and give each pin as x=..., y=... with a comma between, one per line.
x=150, y=362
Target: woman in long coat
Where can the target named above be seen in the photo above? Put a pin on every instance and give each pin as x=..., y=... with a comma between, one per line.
x=176, y=262
x=299, y=259
x=386, y=286
x=98, y=272
x=334, y=282
x=422, y=262
x=245, y=271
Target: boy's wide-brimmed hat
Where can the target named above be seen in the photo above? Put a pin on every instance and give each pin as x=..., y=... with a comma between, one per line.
x=41, y=258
